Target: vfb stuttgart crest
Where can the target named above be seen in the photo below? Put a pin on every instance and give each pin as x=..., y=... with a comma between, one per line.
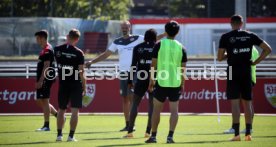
x=270, y=93
x=90, y=94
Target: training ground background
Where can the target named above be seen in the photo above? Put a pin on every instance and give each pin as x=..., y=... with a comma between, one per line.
x=103, y=131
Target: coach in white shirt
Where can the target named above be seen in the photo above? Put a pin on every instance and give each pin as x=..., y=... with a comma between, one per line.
x=124, y=45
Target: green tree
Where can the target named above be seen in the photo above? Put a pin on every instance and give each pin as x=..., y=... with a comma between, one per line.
x=94, y=9
x=23, y=8
x=111, y=9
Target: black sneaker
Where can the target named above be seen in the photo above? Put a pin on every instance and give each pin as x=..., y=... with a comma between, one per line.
x=170, y=140
x=124, y=129
x=43, y=129
x=151, y=140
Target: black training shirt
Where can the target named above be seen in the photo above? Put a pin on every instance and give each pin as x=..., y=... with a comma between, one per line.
x=238, y=45
x=68, y=59
x=46, y=54
x=141, y=59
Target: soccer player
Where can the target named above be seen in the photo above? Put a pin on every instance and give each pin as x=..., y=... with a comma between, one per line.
x=72, y=85
x=45, y=75
x=169, y=58
x=141, y=61
x=124, y=45
x=237, y=44
x=255, y=55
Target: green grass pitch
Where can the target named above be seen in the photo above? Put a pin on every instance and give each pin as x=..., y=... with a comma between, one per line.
x=102, y=131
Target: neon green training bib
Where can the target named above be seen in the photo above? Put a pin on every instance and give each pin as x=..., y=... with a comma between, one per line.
x=169, y=63
x=254, y=56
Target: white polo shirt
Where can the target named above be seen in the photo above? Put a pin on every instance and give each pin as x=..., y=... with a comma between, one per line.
x=125, y=50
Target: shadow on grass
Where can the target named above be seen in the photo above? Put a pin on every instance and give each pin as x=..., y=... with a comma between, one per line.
x=202, y=142
x=6, y=120
x=115, y=145
x=138, y=144
x=11, y=132
x=96, y=132
x=117, y=138
x=27, y=143
x=264, y=136
x=204, y=134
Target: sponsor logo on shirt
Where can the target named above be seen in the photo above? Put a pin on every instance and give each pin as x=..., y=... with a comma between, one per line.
x=243, y=38
x=65, y=66
x=235, y=51
x=68, y=55
x=58, y=54
x=140, y=50
x=148, y=49
x=143, y=61
x=148, y=61
x=232, y=40
x=241, y=50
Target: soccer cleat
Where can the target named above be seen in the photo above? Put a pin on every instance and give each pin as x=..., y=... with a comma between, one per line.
x=236, y=138
x=124, y=129
x=43, y=129
x=229, y=131
x=128, y=136
x=243, y=131
x=70, y=139
x=59, y=138
x=151, y=140
x=170, y=140
x=147, y=135
x=248, y=138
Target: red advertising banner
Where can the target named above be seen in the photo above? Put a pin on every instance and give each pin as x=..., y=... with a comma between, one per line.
x=17, y=95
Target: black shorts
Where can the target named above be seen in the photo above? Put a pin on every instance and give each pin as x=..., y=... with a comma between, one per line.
x=141, y=87
x=45, y=91
x=124, y=89
x=161, y=93
x=241, y=84
x=70, y=92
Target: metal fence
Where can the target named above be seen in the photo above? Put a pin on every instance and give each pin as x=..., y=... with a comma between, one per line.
x=194, y=69
x=17, y=34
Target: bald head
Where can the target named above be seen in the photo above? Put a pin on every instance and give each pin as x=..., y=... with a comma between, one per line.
x=125, y=27
x=125, y=22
